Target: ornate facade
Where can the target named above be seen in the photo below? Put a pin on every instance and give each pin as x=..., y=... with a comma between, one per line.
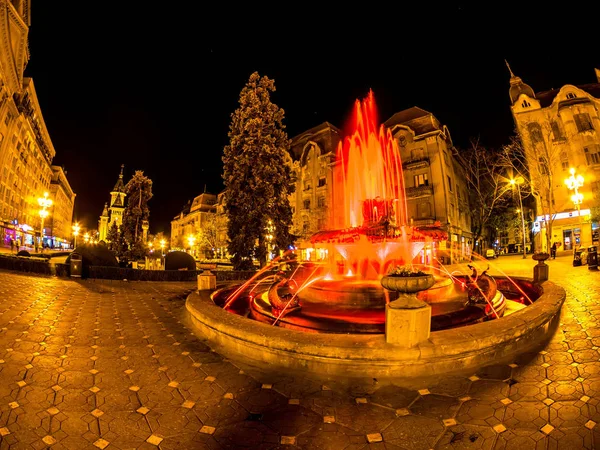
x=113, y=210
x=560, y=130
x=61, y=211
x=26, y=150
x=435, y=188
x=193, y=218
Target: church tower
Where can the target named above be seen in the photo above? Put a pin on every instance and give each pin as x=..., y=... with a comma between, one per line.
x=103, y=224
x=113, y=211
x=117, y=201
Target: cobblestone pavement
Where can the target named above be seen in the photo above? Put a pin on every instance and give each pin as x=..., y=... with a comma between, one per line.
x=94, y=365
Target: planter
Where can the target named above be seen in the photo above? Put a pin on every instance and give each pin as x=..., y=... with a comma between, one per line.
x=540, y=257
x=407, y=285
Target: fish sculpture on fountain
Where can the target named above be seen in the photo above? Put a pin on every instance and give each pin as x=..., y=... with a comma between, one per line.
x=282, y=295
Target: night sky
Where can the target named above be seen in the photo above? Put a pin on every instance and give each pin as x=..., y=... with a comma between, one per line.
x=153, y=88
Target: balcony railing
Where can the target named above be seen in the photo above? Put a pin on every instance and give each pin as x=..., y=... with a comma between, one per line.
x=420, y=191
x=416, y=163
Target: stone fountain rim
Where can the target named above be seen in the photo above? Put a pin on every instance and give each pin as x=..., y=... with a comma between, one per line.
x=449, y=350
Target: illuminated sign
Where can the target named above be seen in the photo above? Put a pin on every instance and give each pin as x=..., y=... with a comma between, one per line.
x=563, y=215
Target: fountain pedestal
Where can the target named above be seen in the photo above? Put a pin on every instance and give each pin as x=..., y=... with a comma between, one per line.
x=207, y=280
x=540, y=270
x=407, y=319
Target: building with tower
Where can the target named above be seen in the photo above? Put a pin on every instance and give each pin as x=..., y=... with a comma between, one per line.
x=559, y=132
x=113, y=210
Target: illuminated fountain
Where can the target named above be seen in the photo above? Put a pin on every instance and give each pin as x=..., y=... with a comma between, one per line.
x=328, y=317
x=368, y=236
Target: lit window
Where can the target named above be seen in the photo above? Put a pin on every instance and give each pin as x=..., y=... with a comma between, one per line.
x=421, y=180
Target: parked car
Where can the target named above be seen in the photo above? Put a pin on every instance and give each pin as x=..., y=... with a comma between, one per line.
x=490, y=253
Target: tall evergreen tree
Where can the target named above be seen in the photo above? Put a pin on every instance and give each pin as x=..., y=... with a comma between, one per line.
x=113, y=237
x=139, y=192
x=257, y=175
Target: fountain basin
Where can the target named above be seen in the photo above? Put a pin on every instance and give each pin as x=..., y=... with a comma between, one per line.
x=455, y=350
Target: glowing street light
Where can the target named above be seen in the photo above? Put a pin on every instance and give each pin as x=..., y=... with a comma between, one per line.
x=45, y=203
x=86, y=237
x=574, y=183
x=76, y=229
x=191, y=240
x=518, y=181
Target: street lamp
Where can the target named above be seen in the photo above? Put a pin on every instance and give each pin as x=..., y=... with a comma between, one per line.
x=45, y=203
x=518, y=181
x=162, y=252
x=86, y=237
x=574, y=183
x=76, y=228
x=191, y=241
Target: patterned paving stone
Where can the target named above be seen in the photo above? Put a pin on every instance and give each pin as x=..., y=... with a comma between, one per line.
x=481, y=412
x=540, y=389
x=528, y=391
x=465, y=436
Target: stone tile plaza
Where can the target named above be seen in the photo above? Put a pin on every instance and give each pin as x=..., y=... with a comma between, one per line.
x=114, y=364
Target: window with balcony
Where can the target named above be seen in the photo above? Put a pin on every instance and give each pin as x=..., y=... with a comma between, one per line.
x=307, y=204
x=321, y=202
x=322, y=181
x=583, y=122
x=421, y=180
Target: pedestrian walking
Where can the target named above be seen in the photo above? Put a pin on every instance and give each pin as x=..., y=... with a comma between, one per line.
x=12, y=245
x=553, y=250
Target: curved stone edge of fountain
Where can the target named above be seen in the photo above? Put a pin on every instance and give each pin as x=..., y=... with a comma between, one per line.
x=354, y=355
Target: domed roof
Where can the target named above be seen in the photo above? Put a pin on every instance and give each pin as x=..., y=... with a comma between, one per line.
x=517, y=87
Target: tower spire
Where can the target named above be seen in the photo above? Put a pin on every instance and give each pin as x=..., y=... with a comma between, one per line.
x=512, y=75
x=123, y=166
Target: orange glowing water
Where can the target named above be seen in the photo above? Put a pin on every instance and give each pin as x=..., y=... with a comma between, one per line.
x=369, y=232
x=370, y=173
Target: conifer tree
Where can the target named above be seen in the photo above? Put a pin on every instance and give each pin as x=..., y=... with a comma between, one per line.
x=257, y=175
x=113, y=238
x=139, y=192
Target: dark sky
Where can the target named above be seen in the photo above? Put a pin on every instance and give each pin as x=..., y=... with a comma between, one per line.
x=139, y=84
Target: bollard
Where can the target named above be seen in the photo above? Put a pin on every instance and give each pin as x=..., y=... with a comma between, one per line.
x=540, y=270
x=207, y=280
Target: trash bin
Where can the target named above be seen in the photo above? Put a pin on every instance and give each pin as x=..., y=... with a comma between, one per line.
x=76, y=265
x=592, y=257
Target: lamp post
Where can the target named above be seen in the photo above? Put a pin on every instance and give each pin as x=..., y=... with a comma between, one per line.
x=517, y=182
x=76, y=228
x=574, y=183
x=191, y=241
x=45, y=203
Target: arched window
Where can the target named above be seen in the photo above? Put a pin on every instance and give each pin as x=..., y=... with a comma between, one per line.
x=525, y=104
